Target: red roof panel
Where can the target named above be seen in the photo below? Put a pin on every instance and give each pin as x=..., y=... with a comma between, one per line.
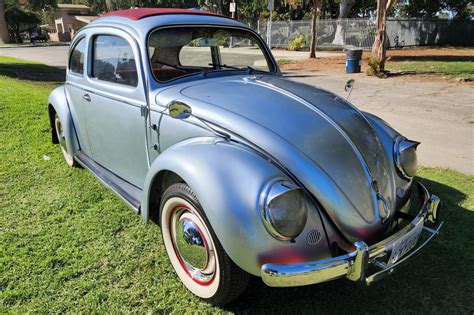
x=140, y=13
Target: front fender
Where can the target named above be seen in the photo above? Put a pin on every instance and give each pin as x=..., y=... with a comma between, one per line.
x=227, y=179
x=58, y=101
x=387, y=136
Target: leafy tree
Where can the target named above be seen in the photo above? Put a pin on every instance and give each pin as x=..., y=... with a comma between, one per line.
x=433, y=8
x=19, y=20
x=250, y=10
x=315, y=8
x=379, y=47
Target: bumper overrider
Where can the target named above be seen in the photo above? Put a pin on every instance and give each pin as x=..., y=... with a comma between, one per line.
x=385, y=256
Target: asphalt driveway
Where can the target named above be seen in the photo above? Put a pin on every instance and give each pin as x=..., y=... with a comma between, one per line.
x=438, y=113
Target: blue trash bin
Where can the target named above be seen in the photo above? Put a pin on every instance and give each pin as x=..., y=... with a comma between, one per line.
x=353, y=58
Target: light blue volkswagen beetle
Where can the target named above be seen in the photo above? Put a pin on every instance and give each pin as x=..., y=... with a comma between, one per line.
x=185, y=116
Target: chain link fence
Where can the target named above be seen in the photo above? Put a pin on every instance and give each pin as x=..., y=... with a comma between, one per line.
x=360, y=33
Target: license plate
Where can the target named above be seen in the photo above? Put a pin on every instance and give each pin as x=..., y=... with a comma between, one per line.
x=405, y=243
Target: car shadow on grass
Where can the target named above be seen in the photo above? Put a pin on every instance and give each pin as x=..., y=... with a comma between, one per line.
x=33, y=72
x=437, y=280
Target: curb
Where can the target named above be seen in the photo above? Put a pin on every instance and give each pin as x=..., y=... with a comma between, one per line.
x=34, y=46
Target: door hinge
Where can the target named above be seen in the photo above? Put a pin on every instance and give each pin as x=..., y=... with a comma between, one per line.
x=143, y=110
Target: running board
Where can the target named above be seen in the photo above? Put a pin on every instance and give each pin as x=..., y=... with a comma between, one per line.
x=126, y=191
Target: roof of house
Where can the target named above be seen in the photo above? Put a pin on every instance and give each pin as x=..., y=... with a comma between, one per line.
x=140, y=13
x=72, y=6
x=86, y=18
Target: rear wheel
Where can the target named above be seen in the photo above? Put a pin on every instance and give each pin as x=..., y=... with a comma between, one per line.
x=62, y=142
x=194, y=250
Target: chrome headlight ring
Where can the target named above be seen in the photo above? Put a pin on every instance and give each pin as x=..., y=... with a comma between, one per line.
x=404, y=155
x=283, y=209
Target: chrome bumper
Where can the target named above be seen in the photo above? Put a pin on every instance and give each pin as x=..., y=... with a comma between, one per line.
x=355, y=265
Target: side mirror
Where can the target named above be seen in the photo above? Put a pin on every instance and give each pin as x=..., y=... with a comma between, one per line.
x=179, y=110
x=348, y=88
x=349, y=85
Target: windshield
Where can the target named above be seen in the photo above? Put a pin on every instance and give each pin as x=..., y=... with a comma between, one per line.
x=181, y=51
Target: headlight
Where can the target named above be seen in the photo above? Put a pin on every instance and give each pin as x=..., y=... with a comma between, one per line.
x=284, y=209
x=405, y=156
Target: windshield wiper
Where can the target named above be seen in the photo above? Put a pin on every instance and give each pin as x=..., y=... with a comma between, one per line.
x=168, y=65
x=224, y=66
x=248, y=68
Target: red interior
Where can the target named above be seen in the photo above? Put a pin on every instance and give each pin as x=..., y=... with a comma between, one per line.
x=140, y=13
x=162, y=74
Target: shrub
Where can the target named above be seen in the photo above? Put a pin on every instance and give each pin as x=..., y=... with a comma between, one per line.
x=299, y=43
x=374, y=68
x=282, y=62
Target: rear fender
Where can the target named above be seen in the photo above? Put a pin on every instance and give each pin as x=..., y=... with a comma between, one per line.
x=58, y=104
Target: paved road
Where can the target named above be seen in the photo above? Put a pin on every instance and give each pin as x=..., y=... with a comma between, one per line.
x=55, y=56
x=439, y=114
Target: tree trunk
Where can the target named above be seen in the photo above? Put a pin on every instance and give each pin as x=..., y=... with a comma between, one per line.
x=314, y=30
x=379, y=46
x=109, y=4
x=344, y=11
x=4, y=38
x=323, y=9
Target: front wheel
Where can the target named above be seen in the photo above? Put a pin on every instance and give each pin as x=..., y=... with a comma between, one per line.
x=194, y=250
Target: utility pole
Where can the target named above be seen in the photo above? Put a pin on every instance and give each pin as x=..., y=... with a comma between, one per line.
x=271, y=6
x=232, y=8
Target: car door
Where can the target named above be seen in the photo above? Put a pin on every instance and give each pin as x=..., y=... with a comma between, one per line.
x=116, y=99
x=75, y=83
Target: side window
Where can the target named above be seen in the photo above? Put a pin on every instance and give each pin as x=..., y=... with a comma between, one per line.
x=114, y=60
x=76, y=59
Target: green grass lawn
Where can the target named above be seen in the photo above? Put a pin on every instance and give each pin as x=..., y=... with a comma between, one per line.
x=67, y=244
x=451, y=69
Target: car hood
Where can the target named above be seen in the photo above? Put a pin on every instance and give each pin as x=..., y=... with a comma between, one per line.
x=320, y=138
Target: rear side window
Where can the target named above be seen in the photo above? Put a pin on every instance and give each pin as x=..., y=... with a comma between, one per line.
x=114, y=60
x=76, y=60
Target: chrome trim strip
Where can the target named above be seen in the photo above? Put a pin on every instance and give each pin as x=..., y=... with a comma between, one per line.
x=100, y=93
x=123, y=189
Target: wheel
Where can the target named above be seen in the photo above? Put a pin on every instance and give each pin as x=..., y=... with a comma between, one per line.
x=194, y=250
x=62, y=142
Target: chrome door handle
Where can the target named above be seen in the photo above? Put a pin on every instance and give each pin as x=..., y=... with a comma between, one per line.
x=87, y=97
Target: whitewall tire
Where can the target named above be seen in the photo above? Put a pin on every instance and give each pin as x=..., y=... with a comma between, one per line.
x=62, y=142
x=194, y=251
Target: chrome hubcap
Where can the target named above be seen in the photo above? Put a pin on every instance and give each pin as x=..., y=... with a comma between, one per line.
x=191, y=241
x=191, y=244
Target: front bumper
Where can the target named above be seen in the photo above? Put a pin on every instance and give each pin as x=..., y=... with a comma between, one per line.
x=357, y=265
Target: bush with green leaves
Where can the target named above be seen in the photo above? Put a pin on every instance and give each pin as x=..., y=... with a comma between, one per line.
x=374, y=68
x=299, y=43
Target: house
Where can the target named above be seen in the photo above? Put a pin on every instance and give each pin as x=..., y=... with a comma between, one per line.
x=68, y=18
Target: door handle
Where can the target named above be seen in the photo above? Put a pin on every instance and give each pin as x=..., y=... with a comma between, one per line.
x=87, y=97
